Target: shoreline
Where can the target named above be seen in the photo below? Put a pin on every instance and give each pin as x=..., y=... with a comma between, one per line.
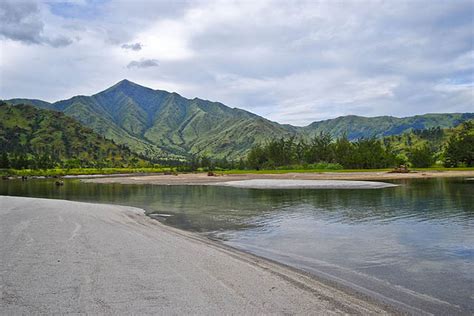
x=204, y=179
x=262, y=285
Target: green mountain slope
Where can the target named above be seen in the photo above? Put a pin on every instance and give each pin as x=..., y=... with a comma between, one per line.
x=436, y=139
x=37, y=103
x=157, y=123
x=27, y=130
x=357, y=126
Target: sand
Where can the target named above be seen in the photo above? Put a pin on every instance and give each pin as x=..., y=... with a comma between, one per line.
x=203, y=178
x=304, y=184
x=59, y=257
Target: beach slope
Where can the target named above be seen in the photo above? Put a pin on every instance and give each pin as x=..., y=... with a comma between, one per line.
x=60, y=257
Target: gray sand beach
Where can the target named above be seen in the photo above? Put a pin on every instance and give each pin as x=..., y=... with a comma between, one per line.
x=201, y=178
x=59, y=257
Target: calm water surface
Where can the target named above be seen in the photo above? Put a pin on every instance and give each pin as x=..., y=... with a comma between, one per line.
x=412, y=246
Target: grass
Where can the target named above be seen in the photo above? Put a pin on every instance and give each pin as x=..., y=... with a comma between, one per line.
x=281, y=171
x=95, y=171
x=273, y=171
x=79, y=171
x=444, y=169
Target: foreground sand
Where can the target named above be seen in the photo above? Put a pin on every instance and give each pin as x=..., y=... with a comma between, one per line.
x=202, y=178
x=60, y=257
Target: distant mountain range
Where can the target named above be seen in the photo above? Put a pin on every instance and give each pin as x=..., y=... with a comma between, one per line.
x=158, y=123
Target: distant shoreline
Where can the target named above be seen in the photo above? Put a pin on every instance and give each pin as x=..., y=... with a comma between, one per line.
x=203, y=178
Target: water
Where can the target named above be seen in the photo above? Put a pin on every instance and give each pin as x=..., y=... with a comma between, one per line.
x=411, y=246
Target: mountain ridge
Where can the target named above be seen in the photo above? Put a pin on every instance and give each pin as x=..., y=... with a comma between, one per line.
x=158, y=123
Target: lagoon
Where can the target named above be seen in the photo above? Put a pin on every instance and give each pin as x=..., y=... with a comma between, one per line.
x=411, y=245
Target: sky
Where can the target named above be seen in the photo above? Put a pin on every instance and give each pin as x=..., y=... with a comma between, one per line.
x=291, y=61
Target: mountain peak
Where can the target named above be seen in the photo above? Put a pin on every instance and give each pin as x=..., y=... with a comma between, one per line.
x=125, y=83
x=125, y=86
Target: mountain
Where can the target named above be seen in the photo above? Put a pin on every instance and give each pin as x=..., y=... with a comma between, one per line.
x=33, y=102
x=25, y=129
x=358, y=126
x=158, y=123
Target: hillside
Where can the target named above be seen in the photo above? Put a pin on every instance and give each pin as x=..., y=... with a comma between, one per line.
x=26, y=130
x=158, y=123
x=356, y=127
x=33, y=102
x=435, y=139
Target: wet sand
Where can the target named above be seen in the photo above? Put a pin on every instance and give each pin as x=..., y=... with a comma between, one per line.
x=59, y=257
x=304, y=184
x=203, y=178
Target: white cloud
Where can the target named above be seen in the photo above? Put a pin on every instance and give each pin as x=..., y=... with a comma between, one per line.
x=293, y=62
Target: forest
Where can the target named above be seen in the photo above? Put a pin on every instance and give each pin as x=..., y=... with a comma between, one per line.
x=419, y=148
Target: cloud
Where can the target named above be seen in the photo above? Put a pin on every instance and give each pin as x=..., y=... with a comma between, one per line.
x=22, y=22
x=59, y=41
x=143, y=63
x=135, y=46
x=293, y=62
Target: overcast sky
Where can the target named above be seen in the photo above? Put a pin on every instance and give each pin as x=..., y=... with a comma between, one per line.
x=290, y=61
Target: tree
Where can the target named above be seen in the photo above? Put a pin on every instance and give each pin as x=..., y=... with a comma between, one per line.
x=256, y=158
x=320, y=149
x=369, y=153
x=20, y=161
x=421, y=157
x=241, y=164
x=343, y=150
x=206, y=163
x=4, y=161
x=44, y=162
x=460, y=148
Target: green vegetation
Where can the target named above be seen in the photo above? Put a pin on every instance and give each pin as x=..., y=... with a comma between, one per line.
x=79, y=171
x=460, y=147
x=357, y=127
x=421, y=157
x=341, y=153
x=451, y=147
x=301, y=170
x=159, y=124
x=420, y=148
x=32, y=138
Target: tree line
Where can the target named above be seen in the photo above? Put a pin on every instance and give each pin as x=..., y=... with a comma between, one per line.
x=44, y=161
x=365, y=153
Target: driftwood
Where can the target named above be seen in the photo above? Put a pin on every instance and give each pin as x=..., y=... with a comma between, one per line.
x=401, y=169
x=170, y=173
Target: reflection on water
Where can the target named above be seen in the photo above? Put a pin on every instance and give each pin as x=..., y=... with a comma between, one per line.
x=413, y=244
